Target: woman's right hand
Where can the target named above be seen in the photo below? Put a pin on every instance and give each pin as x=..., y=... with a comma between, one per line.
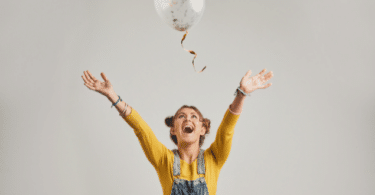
x=92, y=83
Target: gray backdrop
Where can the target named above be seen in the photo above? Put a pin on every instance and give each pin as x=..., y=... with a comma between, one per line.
x=311, y=132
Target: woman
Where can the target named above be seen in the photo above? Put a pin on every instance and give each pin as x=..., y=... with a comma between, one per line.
x=188, y=170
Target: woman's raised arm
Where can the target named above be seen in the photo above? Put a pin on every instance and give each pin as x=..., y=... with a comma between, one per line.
x=105, y=88
x=222, y=145
x=153, y=149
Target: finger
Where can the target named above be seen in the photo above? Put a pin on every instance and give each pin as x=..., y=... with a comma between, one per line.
x=265, y=86
x=248, y=73
x=270, y=73
x=88, y=86
x=86, y=81
x=104, y=77
x=263, y=71
x=268, y=76
x=92, y=77
x=88, y=77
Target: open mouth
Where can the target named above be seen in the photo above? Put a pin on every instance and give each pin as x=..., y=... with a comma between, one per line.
x=188, y=129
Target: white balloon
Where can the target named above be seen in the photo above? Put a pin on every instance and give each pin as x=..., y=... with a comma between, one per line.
x=180, y=15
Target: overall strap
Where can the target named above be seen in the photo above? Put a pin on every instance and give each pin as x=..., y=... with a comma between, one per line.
x=176, y=163
x=201, y=166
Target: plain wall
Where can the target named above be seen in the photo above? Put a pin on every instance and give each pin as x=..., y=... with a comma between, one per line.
x=312, y=132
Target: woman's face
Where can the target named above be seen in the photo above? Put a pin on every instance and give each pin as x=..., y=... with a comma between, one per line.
x=187, y=126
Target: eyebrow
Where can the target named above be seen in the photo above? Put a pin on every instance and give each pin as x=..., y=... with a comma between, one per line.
x=184, y=113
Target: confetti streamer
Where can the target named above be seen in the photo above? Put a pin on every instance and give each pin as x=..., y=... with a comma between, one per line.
x=190, y=51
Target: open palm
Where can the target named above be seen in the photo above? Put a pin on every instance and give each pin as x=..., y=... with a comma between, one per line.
x=249, y=84
x=92, y=83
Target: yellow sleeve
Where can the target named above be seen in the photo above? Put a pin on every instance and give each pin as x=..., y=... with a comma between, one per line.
x=221, y=147
x=153, y=149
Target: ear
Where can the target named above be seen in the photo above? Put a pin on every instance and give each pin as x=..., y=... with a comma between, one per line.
x=172, y=131
x=203, y=131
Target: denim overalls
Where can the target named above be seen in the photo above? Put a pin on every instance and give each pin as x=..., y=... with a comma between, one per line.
x=185, y=187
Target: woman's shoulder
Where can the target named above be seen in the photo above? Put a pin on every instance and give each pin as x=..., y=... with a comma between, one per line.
x=169, y=154
x=167, y=158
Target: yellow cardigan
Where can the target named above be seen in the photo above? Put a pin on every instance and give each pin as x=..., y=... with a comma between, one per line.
x=162, y=158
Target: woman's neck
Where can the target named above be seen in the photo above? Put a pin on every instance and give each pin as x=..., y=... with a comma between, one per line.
x=188, y=153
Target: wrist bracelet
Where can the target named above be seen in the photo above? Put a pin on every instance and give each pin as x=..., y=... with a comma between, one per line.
x=126, y=106
x=238, y=88
x=234, y=112
x=119, y=99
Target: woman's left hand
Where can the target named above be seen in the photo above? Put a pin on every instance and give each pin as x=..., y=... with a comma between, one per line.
x=249, y=84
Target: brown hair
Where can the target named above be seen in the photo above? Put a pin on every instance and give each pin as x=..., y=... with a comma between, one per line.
x=206, y=123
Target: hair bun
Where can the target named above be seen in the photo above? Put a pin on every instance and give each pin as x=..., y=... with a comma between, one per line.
x=207, y=124
x=169, y=121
